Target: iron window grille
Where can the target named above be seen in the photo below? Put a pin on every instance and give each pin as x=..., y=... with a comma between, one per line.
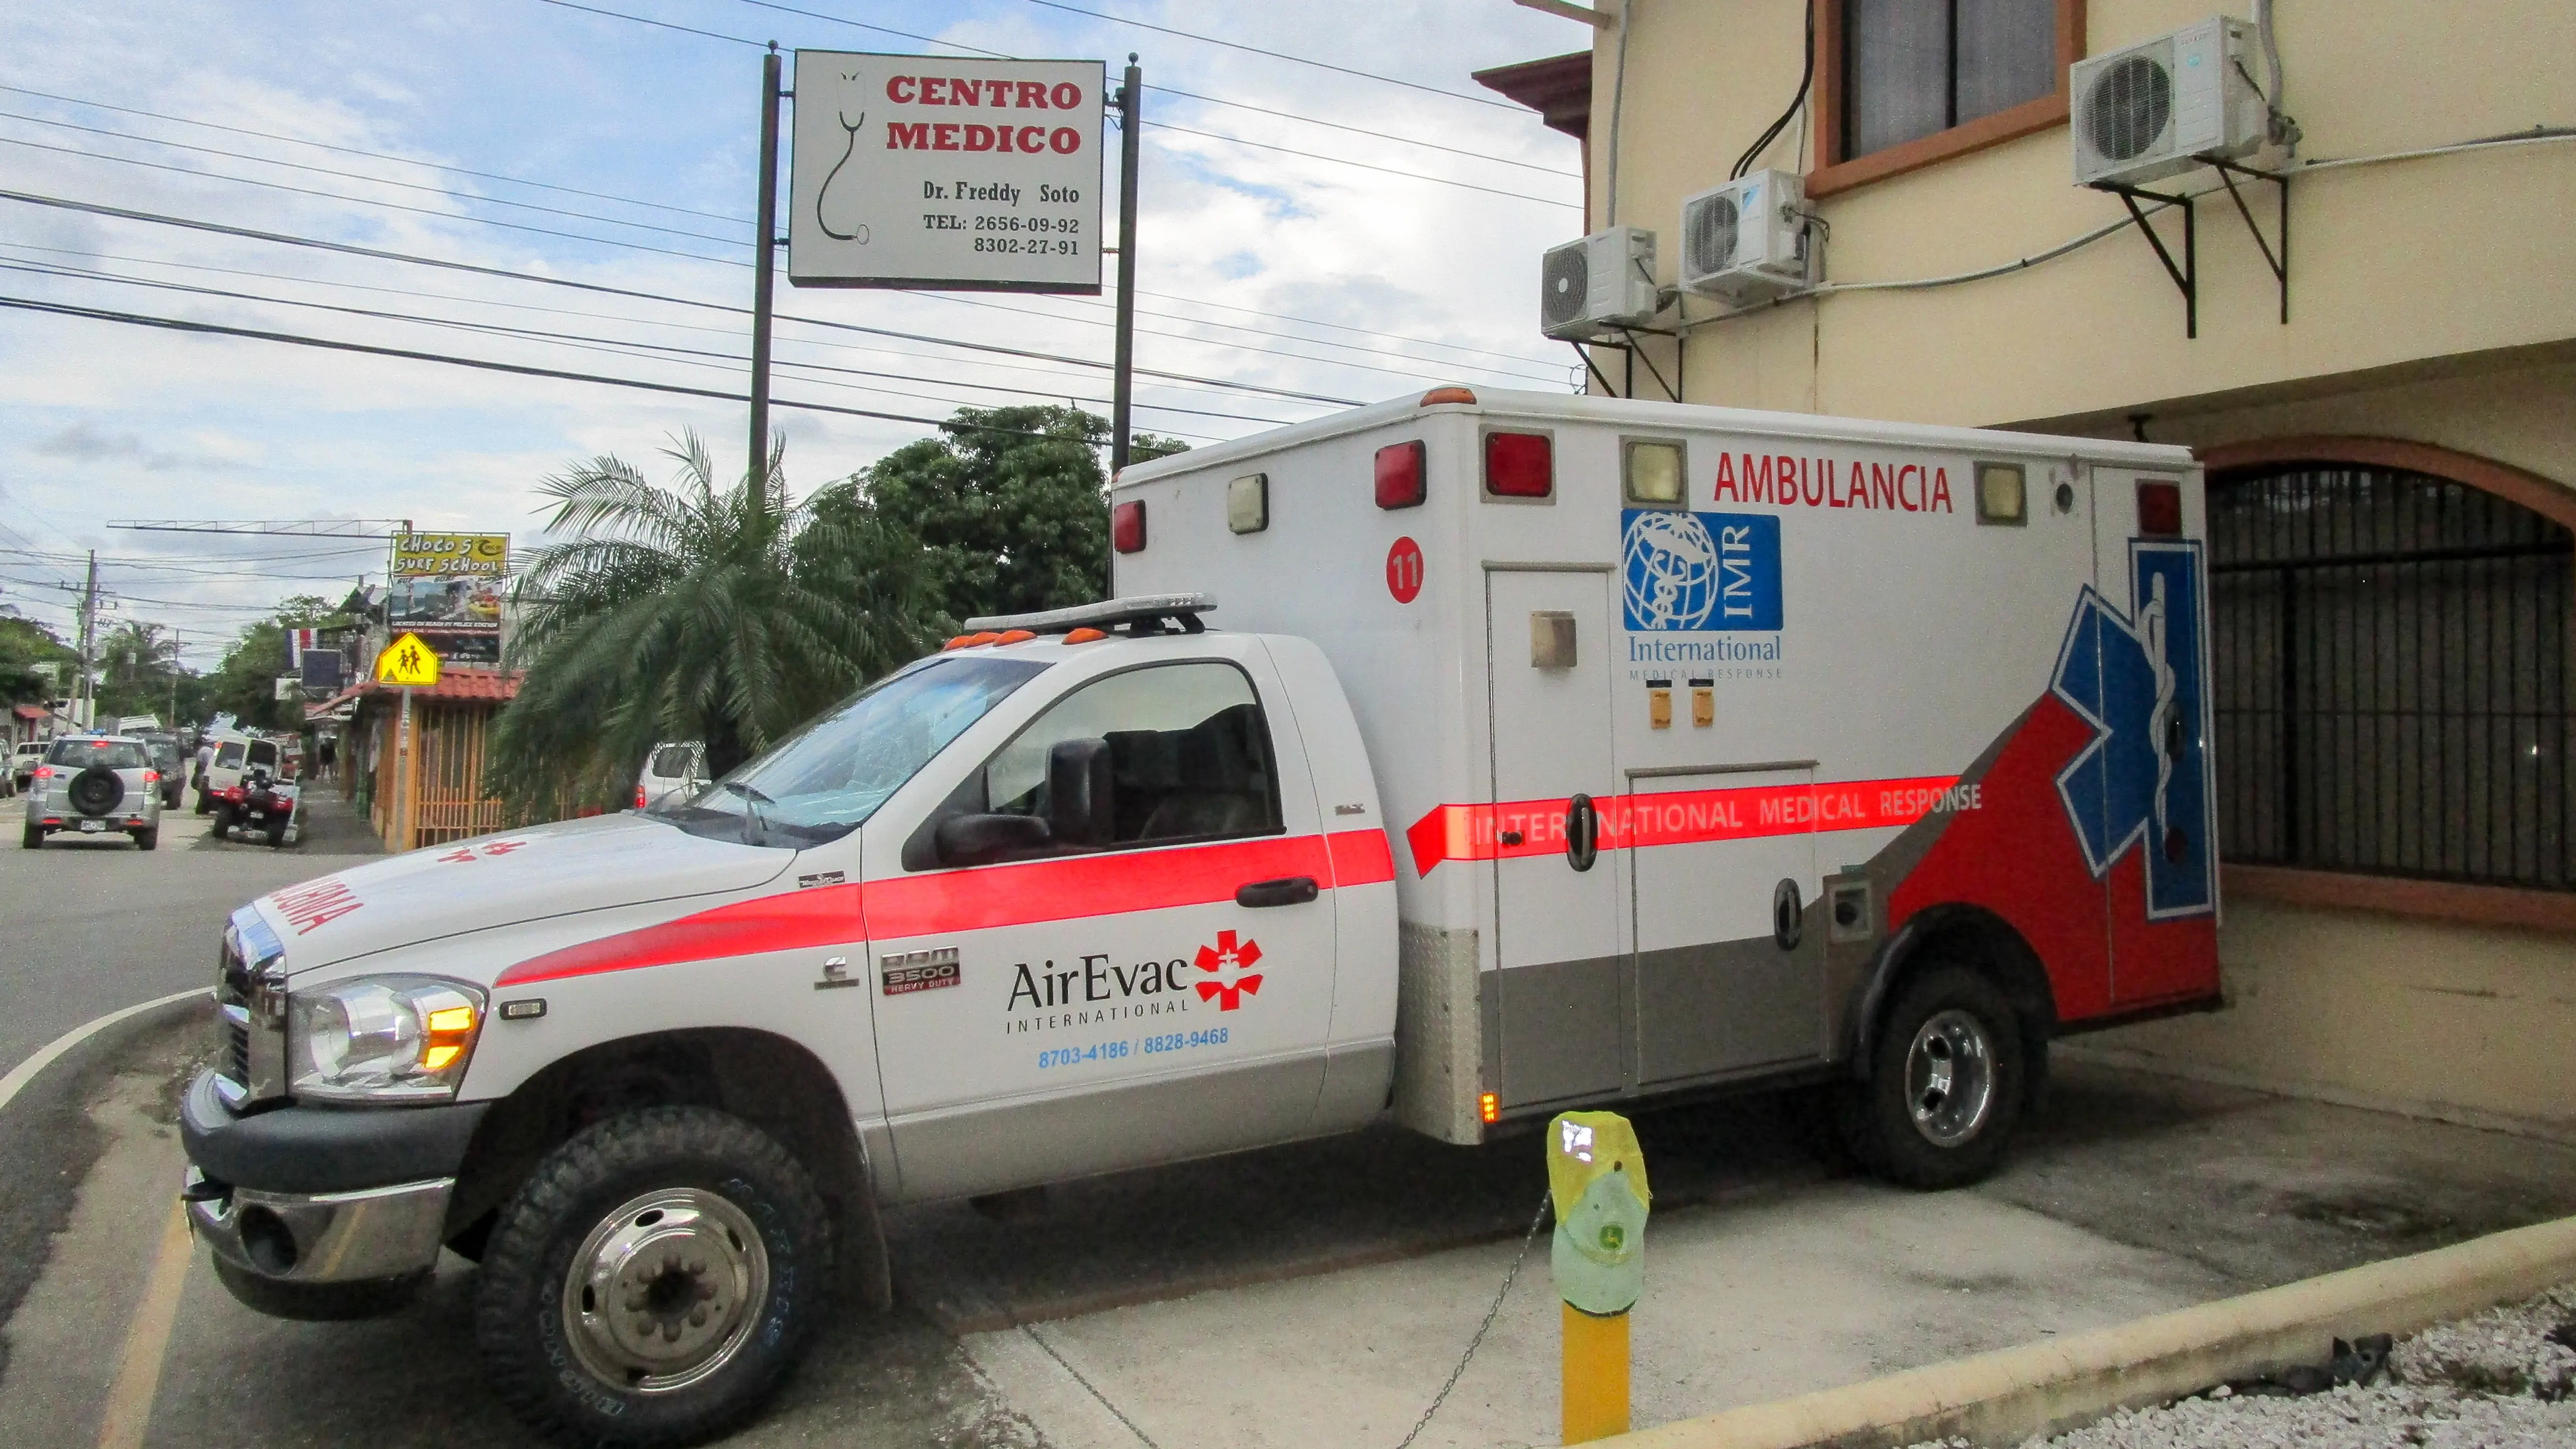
x=2392, y=660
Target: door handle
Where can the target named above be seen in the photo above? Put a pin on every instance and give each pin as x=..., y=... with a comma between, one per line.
x=1582, y=832
x=1295, y=890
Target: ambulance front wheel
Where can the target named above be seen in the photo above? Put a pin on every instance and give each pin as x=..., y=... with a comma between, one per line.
x=653, y=1282
x=1946, y=1083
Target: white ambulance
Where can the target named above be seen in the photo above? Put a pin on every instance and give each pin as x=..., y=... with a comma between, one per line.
x=1545, y=752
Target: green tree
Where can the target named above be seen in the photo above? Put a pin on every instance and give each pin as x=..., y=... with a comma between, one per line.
x=1008, y=523
x=25, y=645
x=138, y=667
x=690, y=612
x=245, y=684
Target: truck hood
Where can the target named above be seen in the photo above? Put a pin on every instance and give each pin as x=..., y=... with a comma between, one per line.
x=507, y=879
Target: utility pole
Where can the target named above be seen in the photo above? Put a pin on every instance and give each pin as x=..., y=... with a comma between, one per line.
x=172, y=724
x=764, y=267
x=1131, y=121
x=85, y=704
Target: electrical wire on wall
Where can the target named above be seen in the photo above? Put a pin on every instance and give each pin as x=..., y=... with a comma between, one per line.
x=2537, y=135
x=1796, y=108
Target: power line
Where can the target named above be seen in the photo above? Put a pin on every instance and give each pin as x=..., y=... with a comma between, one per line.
x=635, y=201
x=352, y=249
x=174, y=324
x=1165, y=90
x=369, y=201
x=1149, y=125
x=624, y=347
x=446, y=191
x=378, y=155
x=1363, y=165
x=664, y=251
x=1280, y=55
x=877, y=350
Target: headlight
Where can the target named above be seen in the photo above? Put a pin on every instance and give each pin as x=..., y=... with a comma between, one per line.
x=381, y=1039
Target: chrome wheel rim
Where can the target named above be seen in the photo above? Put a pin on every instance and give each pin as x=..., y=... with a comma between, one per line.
x=665, y=1290
x=1950, y=1078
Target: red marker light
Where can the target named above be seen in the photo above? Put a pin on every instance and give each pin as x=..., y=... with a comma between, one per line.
x=1489, y=1108
x=1083, y=636
x=1127, y=526
x=639, y=797
x=152, y=777
x=44, y=772
x=2160, y=509
x=1520, y=465
x=1015, y=636
x=1400, y=470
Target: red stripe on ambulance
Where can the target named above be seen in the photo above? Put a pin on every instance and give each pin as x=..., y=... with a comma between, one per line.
x=1681, y=817
x=1029, y=893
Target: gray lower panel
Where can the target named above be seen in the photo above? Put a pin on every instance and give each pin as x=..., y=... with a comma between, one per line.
x=1727, y=1005
x=1359, y=1081
x=1024, y=1142
x=1560, y=1030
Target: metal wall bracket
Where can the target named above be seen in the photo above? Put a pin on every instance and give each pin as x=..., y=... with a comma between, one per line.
x=1631, y=353
x=2186, y=276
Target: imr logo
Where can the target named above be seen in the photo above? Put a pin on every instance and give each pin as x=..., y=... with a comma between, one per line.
x=1701, y=572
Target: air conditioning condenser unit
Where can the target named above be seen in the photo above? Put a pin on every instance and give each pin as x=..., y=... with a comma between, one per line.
x=1746, y=241
x=2155, y=109
x=1599, y=284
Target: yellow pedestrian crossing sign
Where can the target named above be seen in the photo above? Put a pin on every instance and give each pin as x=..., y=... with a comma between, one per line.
x=409, y=663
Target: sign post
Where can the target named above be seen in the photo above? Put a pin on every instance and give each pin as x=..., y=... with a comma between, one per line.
x=1596, y=1173
x=764, y=265
x=407, y=664
x=1122, y=377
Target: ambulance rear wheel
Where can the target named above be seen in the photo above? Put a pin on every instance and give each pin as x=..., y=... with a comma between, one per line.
x=654, y=1280
x=1946, y=1083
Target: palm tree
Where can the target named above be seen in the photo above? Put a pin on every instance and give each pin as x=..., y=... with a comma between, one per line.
x=690, y=612
x=135, y=653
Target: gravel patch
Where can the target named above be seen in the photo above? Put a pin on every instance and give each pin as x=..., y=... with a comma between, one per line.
x=2505, y=1379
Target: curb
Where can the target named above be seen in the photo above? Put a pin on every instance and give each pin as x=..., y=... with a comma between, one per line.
x=2044, y=1388
x=23, y=1073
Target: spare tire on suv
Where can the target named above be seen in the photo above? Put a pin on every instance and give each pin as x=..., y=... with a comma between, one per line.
x=96, y=790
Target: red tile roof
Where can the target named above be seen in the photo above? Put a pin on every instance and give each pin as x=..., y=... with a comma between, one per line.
x=459, y=682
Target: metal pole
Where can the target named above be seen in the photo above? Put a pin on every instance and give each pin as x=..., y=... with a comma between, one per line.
x=402, y=779
x=764, y=267
x=1131, y=115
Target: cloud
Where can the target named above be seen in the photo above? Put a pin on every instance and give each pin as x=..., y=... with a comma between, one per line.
x=86, y=442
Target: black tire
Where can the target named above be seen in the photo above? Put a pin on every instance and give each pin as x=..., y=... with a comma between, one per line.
x=1902, y=1125
x=705, y=1165
x=32, y=838
x=319, y=1302
x=277, y=834
x=147, y=838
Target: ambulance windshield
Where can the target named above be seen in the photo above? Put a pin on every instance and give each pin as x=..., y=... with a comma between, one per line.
x=821, y=782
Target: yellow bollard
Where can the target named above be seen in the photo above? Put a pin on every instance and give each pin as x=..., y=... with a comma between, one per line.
x=1596, y=1374
x=1597, y=1177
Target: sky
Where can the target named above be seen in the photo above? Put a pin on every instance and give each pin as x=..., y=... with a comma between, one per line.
x=1399, y=251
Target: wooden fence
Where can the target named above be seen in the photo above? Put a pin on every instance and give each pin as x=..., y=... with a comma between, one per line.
x=448, y=802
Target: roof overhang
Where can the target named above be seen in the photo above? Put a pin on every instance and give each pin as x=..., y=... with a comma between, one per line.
x=1559, y=88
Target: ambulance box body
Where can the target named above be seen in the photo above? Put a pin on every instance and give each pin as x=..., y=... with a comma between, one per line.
x=1819, y=692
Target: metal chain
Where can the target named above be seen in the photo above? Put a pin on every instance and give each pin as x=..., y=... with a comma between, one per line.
x=1537, y=1221
x=1142, y=1437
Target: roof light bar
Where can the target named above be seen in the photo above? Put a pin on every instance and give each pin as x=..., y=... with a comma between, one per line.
x=1183, y=609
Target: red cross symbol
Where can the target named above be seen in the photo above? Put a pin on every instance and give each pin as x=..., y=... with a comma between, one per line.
x=1226, y=956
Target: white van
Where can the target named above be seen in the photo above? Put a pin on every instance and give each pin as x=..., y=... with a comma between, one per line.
x=674, y=767
x=1554, y=752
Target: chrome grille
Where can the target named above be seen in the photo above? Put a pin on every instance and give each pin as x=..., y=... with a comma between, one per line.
x=250, y=1015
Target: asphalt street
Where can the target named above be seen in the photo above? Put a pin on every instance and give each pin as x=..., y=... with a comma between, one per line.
x=90, y=925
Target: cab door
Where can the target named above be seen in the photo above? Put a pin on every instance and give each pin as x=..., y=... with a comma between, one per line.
x=1112, y=944
x=1557, y=899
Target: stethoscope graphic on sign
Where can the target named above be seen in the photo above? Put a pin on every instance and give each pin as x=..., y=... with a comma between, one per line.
x=825, y=190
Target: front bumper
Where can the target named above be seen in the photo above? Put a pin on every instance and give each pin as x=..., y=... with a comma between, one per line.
x=368, y=1236
x=319, y=1194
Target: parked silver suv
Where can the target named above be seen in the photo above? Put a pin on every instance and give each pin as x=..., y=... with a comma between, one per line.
x=94, y=784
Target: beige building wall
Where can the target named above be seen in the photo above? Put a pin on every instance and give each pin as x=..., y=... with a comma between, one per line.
x=2431, y=300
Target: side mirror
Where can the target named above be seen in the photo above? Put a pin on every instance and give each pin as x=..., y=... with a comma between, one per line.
x=978, y=839
x=1082, y=798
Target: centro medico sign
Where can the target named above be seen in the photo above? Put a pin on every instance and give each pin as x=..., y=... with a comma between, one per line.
x=928, y=171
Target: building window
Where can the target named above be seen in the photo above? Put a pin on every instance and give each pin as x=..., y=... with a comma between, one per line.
x=2392, y=660
x=1903, y=83
x=1918, y=67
